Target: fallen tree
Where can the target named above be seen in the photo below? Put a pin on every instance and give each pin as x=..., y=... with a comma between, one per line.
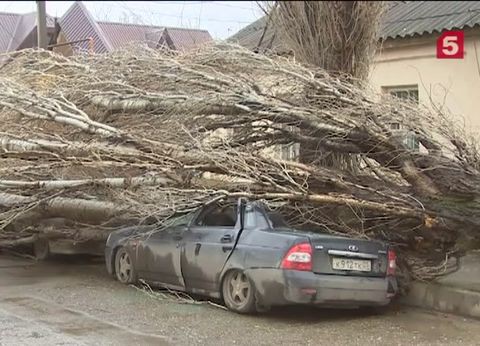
x=138, y=135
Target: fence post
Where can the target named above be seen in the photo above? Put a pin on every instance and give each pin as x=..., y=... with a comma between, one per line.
x=90, y=45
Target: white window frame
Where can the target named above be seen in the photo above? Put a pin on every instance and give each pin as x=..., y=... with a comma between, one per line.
x=402, y=88
x=409, y=140
x=290, y=152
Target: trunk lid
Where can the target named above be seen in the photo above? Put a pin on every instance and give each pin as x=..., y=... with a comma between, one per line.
x=351, y=257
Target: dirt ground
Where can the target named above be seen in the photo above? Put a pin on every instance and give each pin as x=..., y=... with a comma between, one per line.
x=74, y=302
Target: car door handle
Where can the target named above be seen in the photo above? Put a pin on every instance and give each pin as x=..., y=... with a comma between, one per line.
x=227, y=238
x=177, y=237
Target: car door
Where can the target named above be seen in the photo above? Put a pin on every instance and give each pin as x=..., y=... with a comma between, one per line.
x=209, y=242
x=160, y=253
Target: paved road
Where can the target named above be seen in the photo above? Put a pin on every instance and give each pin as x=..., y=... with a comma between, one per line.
x=74, y=302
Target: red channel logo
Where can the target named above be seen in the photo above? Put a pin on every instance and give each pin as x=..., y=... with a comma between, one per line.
x=450, y=45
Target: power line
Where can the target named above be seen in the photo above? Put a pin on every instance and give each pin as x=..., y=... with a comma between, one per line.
x=230, y=5
x=200, y=3
x=182, y=17
x=200, y=14
x=136, y=16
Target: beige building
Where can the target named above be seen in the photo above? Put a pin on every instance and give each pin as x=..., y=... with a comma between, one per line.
x=406, y=63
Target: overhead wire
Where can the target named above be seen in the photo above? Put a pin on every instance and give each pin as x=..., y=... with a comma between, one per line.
x=200, y=3
x=183, y=17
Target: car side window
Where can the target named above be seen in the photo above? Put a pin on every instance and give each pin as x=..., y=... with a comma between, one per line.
x=218, y=215
x=180, y=221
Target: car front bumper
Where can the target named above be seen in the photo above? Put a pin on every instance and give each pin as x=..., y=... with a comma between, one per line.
x=285, y=287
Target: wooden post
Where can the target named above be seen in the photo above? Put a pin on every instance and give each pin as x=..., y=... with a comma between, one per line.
x=90, y=45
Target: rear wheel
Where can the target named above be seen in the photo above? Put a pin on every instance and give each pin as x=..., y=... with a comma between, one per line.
x=124, y=269
x=238, y=292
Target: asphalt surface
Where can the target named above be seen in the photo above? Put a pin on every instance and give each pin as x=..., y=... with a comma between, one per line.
x=74, y=302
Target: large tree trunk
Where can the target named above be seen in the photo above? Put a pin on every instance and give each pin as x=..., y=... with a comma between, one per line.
x=338, y=36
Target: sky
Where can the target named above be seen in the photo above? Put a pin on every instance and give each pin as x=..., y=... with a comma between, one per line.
x=221, y=18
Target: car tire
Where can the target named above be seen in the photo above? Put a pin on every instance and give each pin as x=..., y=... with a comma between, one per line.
x=124, y=268
x=238, y=292
x=41, y=249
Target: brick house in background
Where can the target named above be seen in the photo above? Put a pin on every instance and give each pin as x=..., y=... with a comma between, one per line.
x=19, y=31
x=405, y=64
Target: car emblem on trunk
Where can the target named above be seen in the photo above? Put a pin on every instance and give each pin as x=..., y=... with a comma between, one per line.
x=353, y=248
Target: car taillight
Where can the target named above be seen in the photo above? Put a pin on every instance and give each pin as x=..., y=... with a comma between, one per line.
x=392, y=262
x=299, y=257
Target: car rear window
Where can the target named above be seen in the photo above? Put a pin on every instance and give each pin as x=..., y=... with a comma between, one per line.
x=277, y=220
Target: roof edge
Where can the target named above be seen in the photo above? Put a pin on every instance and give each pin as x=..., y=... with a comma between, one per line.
x=151, y=26
x=429, y=32
x=91, y=21
x=13, y=13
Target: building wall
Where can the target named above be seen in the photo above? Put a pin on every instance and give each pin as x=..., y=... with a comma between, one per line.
x=453, y=83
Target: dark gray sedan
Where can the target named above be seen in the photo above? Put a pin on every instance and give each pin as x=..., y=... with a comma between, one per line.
x=246, y=255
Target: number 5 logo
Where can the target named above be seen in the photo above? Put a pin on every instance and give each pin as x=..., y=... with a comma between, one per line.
x=450, y=45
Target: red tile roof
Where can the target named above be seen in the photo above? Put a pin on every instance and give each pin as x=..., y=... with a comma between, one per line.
x=15, y=28
x=185, y=39
x=8, y=25
x=78, y=24
x=119, y=34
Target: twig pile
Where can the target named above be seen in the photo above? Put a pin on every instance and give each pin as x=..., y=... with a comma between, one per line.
x=92, y=143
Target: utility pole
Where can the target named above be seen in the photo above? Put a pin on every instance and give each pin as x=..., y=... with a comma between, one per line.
x=41, y=25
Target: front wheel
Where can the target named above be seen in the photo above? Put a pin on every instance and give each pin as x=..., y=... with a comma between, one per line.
x=124, y=269
x=238, y=292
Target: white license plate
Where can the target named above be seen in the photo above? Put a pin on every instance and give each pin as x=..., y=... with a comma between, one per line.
x=340, y=263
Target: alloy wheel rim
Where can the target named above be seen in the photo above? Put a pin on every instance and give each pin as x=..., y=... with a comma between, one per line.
x=124, y=267
x=239, y=289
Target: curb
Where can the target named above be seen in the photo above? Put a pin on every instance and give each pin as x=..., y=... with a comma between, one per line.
x=443, y=298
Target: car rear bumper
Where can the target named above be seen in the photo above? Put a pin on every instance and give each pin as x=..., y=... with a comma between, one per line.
x=285, y=287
